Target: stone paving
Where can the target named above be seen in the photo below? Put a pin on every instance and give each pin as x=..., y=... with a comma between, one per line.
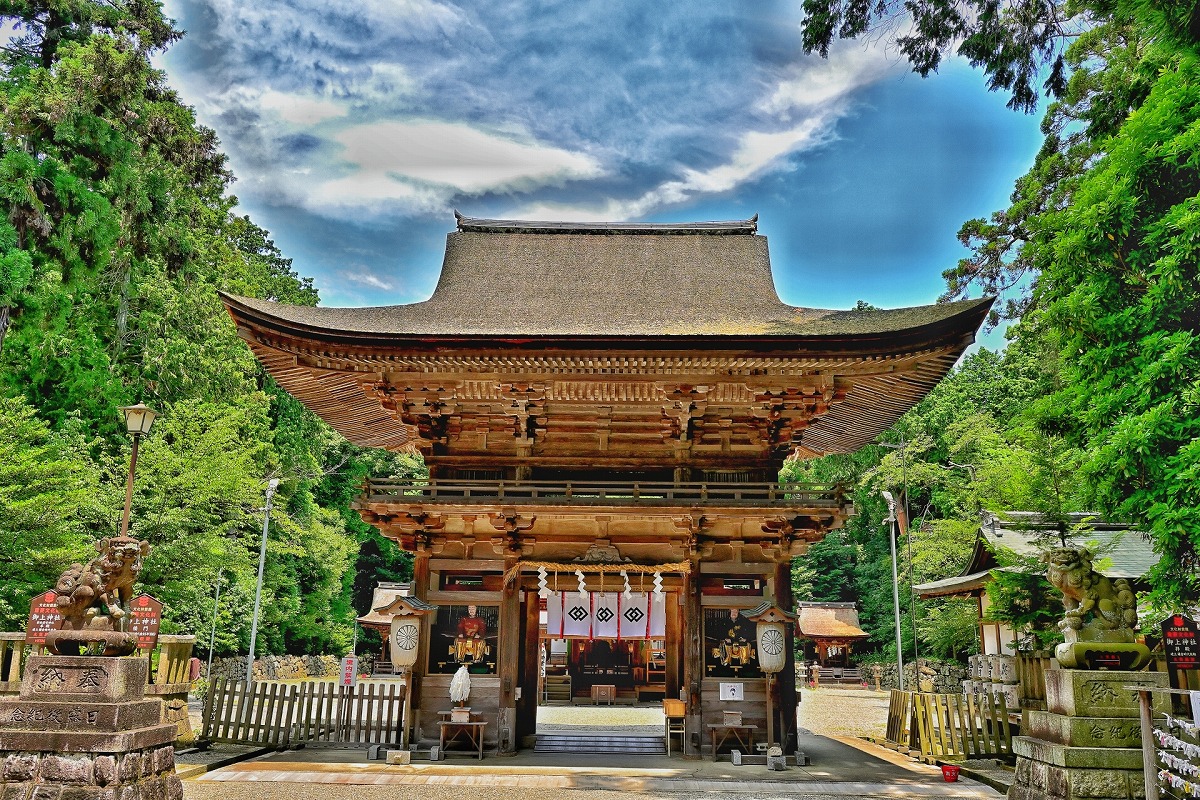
x=842, y=766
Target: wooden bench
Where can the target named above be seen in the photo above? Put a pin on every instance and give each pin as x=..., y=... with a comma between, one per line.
x=836, y=675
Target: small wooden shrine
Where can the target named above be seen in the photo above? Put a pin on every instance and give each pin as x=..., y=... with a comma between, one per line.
x=828, y=632
x=604, y=409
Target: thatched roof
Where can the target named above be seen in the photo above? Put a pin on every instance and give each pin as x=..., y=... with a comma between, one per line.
x=828, y=621
x=502, y=278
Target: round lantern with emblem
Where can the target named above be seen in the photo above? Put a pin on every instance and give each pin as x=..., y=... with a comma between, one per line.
x=403, y=640
x=772, y=624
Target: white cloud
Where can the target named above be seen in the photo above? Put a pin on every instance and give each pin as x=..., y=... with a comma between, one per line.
x=421, y=163
x=308, y=27
x=813, y=82
x=300, y=109
x=364, y=278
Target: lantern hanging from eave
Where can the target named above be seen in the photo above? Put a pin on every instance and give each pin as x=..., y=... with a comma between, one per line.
x=772, y=625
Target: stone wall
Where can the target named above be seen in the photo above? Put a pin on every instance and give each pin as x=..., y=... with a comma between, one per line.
x=139, y=775
x=947, y=679
x=274, y=668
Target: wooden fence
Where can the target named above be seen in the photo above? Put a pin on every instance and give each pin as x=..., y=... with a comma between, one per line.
x=1031, y=677
x=901, y=725
x=948, y=727
x=276, y=714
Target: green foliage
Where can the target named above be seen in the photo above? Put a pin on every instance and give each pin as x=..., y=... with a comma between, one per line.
x=826, y=572
x=118, y=236
x=949, y=629
x=1015, y=42
x=1103, y=231
x=49, y=505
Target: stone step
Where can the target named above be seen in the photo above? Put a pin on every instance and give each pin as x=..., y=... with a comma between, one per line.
x=631, y=745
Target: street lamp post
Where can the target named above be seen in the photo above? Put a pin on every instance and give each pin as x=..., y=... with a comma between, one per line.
x=272, y=485
x=212, y=637
x=138, y=420
x=891, y=501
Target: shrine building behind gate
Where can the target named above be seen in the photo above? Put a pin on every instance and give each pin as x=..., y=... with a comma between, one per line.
x=593, y=399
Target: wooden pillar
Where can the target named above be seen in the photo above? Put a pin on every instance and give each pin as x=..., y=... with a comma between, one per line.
x=693, y=661
x=420, y=590
x=531, y=668
x=673, y=645
x=785, y=681
x=510, y=659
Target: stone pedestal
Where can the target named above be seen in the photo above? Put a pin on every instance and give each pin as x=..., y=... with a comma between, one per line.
x=1087, y=744
x=81, y=728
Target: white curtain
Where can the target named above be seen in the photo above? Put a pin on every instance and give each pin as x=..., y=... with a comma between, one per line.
x=610, y=615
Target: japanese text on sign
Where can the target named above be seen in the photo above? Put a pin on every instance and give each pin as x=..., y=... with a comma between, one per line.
x=44, y=617
x=145, y=615
x=349, y=671
x=1181, y=641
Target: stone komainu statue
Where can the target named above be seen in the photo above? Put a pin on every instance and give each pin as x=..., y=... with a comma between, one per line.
x=1089, y=598
x=94, y=599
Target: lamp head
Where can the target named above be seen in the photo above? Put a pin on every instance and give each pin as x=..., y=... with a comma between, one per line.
x=891, y=501
x=138, y=419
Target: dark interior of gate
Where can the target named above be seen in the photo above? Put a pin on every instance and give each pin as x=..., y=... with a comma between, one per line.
x=604, y=409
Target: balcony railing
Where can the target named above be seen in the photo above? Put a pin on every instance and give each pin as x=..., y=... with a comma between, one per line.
x=612, y=492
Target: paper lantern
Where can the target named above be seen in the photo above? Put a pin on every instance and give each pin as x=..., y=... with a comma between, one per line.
x=772, y=646
x=404, y=639
x=772, y=627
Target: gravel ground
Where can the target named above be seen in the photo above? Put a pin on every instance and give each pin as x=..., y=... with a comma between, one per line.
x=844, y=712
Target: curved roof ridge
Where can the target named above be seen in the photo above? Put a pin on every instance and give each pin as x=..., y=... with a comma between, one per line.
x=746, y=227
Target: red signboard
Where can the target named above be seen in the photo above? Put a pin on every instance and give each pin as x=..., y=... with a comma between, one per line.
x=349, y=671
x=145, y=615
x=1181, y=641
x=44, y=617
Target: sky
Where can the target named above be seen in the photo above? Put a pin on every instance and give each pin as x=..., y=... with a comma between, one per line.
x=355, y=129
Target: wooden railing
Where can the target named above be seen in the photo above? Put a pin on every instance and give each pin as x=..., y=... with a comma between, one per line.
x=273, y=714
x=608, y=492
x=170, y=675
x=948, y=727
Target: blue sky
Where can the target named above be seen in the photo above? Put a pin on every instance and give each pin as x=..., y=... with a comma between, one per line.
x=355, y=128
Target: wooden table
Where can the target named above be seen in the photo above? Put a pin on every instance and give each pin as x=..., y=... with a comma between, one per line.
x=606, y=692
x=451, y=731
x=736, y=731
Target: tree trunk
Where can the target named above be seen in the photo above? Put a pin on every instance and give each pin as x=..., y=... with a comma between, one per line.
x=5, y=311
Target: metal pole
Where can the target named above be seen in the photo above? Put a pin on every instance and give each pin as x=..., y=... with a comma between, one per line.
x=907, y=531
x=896, y=608
x=212, y=637
x=129, y=485
x=892, y=529
x=262, y=561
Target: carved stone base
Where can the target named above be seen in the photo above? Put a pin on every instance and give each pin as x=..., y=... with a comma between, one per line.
x=81, y=729
x=1088, y=745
